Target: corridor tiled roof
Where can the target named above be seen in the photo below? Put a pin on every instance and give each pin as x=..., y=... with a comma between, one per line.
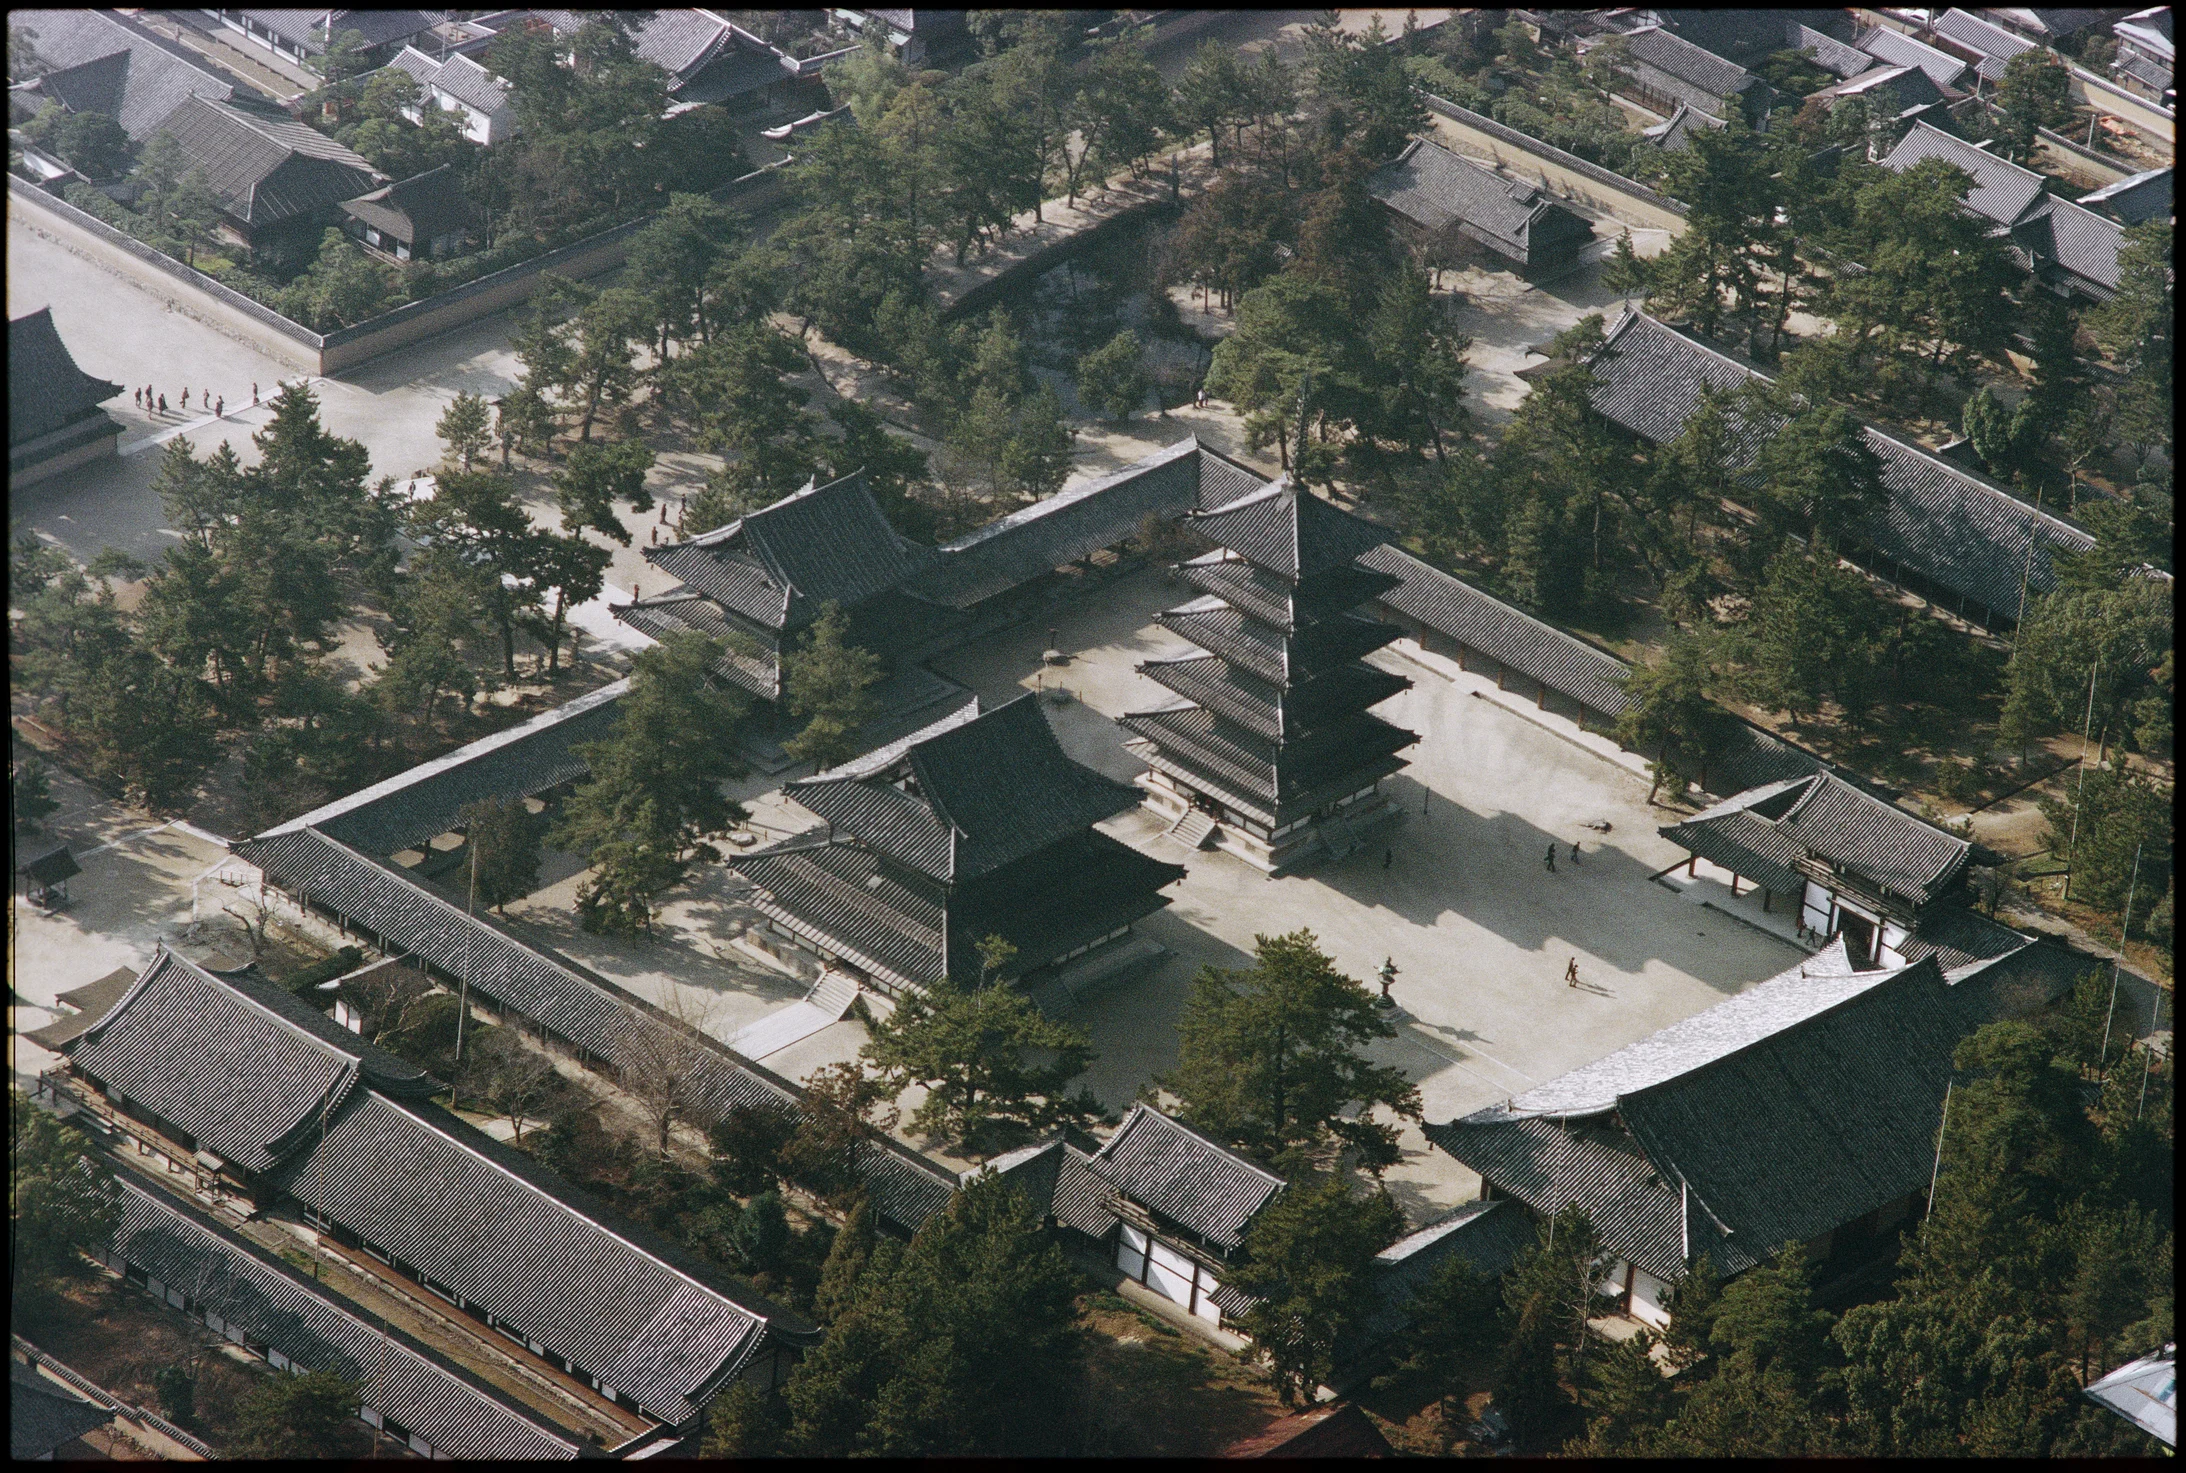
x=1767, y=829
x=1184, y=1177
x=506, y=1234
x=428, y=799
x=272, y=1304
x=1991, y=44
x=243, y=1067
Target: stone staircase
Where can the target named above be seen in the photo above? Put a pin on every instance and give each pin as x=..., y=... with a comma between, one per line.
x=1193, y=828
x=1338, y=838
x=829, y=999
x=834, y=995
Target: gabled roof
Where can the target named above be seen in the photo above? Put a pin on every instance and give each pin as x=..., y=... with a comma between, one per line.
x=1434, y=188
x=2052, y=23
x=1288, y=531
x=1489, y=1235
x=266, y=169
x=46, y=390
x=92, y=1001
x=1752, y=35
x=460, y=77
x=1992, y=46
x=2145, y=196
x=139, y=91
x=274, y=1305
x=2076, y=241
x=416, y=210
x=505, y=1233
x=2002, y=191
x=2145, y=1393
x=679, y=42
x=44, y=1416
x=779, y=565
x=1185, y=1178
x=243, y=1067
x=1754, y=1124
x=1674, y=134
x=1897, y=87
x=549, y=989
x=1669, y=64
x=1764, y=831
x=1942, y=520
x=1898, y=49
x=983, y=792
x=311, y=30
x=428, y=799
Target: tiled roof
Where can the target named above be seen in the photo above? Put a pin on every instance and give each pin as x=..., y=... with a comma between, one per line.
x=427, y=799
x=679, y=42
x=1779, y=1134
x=1081, y=1195
x=276, y=1306
x=1452, y=607
x=244, y=1068
x=2051, y=22
x=1991, y=44
x=2151, y=72
x=45, y=1416
x=266, y=169
x=1942, y=521
x=92, y=1001
x=1664, y=63
x=507, y=1235
x=1069, y=525
x=1674, y=134
x=139, y=91
x=1182, y=1176
x=46, y=390
x=1273, y=599
x=1897, y=87
x=1488, y=1235
x=459, y=77
x=418, y=210
x=1750, y=35
x=547, y=989
x=2080, y=243
x=1763, y=831
x=1212, y=624
x=1434, y=188
x=2145, y=196
x=1898, y=49
x=837, y=893
x=1222, y=480
x=312, y=28
x=1288, y=531
x=2002, y=191
x=988, y=791
x=821, y=544
x=749, y=662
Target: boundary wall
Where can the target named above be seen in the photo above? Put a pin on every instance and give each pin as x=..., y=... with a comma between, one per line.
x=198, y=296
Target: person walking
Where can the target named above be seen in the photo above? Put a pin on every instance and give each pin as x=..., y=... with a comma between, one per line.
x=1571, y=972
x=136, y=397
x=1550, y=861
x=1574, y=851
x=185, y=398
x=254, y=396
x=163, y=404
x=1388, y=857
x=220, y=410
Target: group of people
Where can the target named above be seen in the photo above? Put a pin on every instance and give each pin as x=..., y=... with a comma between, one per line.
x=156, y=403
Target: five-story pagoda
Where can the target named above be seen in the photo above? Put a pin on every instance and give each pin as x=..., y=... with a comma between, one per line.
x=1272, y=753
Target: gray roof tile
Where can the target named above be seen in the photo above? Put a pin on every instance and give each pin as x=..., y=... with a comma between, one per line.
x=2002, y=191
x=1899, y=49
x=1184, y=1177
x=2145, y=196
x=138, y=94
x=418, y=210
x=1768, y=829
x=1991, y=44
x=277, y=1307
x=46, y=390
x=244, y=1068
x=1435, y=189
x=45, y=1416
x=264, y=169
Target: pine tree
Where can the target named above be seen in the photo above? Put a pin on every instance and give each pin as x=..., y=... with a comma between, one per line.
x=1309, y=1261
x=826, y=679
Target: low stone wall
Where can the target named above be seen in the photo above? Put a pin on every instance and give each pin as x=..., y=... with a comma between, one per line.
x=1564, y=174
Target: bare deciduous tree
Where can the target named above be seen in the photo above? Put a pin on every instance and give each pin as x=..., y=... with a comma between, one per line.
x=661, y=1062
x=393, y=1000
x=519, y=1079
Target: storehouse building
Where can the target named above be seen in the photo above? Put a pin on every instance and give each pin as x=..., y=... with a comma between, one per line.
x=1438, y=195
x=1270, y=752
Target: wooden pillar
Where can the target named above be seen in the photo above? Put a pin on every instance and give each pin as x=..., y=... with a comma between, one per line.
x=1766, y=897
x=1501, y=672
x=1734, y=885
x=1540, y=699
x=1692, y=866
x=1461, y=654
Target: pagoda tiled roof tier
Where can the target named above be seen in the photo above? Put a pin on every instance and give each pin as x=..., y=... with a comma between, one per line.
x=1277, y=774
x=1275, y=600
x=1265, y=649
x=1289, y=531
x=1183, y=765
x=1267, y=709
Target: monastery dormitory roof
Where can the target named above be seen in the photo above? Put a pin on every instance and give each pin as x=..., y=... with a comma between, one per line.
x=272, y=1303
x=1764, y=831
x=416, y=210
x=241, y=1065
x=1184, y=1177
x=104, y=62
x=1895, y=48
x=46, y=390
x=2002, y=191
x=1748, y=36
x=1942, y=520
x=1667, y=63
x=983, y=790
x=546, y=988
x=1435, y=188
x=1802, y=1103
x=500, y=1229
x=266, y=169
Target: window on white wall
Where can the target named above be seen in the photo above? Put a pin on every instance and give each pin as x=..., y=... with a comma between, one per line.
x=1131, y=1253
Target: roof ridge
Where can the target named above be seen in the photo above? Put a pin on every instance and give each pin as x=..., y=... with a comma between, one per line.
x=572, y=1208
x=1142, y=1109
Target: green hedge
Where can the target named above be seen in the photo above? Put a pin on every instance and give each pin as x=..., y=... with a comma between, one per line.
x=348, y=959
